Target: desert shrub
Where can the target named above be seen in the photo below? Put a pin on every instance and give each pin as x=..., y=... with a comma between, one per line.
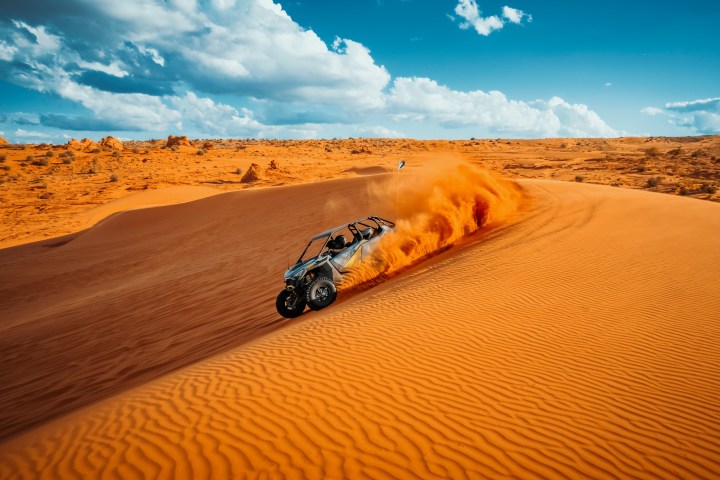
x=5, y=167
x=653, y=182
x=3, y=158
x=49, y=154
x=96, y=150
x=67, y=160
x=675, y=152
x=30, y=158
x=136, y=150
x=116, y=154
x=640, y=168
x=708, y=188
x=40, y=163
x=684, y=191
x=238, y=171
x=200, y=152
x=652, y=152
x=579, y=178
x=114, y=177
x=698, y=153
x=174, y=148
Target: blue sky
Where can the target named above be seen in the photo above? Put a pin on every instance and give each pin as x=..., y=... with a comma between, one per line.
x=392, y=68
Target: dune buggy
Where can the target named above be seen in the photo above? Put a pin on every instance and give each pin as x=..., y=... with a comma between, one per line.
x=328, y=257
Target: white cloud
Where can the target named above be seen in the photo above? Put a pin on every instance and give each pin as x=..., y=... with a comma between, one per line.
x=30, y=134
x=7, y=52
x=248, y=48
x=652, y=111
x=145, y=69
x=43, y=42
x=702, y=116
x=469, y=11
x=608, y=84
x=153, y=54
x=703, y=105
x=205, y=115
x=114, y=68
x=380, y=132
x=513, y=15
x=421, y=99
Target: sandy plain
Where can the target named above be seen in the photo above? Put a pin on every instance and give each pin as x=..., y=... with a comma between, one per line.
x=573, y=333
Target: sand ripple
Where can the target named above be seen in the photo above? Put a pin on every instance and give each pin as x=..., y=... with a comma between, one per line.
x=578, y=343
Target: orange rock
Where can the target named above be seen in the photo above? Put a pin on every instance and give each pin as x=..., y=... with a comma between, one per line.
x=179, y=141
x=3, y=141
x=111, y=142
x=208, y=145
x=252, y=175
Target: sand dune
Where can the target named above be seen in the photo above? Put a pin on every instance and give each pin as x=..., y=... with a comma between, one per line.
x=148, y=291
x=579, y=339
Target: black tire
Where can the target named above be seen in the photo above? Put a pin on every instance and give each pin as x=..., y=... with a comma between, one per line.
x=320, y=293
x=290, y=304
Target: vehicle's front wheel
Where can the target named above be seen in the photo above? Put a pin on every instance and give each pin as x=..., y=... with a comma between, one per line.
x=290, y=304
x=320, y=293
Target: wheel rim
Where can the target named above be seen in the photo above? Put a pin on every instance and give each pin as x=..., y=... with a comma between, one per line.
x=322, y=294
x=291, y=301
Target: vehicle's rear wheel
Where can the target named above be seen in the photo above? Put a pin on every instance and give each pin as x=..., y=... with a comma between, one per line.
x=320, y=293
x=290, y=304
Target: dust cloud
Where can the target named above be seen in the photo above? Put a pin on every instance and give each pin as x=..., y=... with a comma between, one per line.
x=435, y=207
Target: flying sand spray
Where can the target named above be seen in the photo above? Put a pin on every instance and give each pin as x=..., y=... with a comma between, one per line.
x=444, y=202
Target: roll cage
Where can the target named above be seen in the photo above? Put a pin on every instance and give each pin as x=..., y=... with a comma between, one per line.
x=358, y=229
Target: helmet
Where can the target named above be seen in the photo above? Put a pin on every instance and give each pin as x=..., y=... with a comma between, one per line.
x=340, y=241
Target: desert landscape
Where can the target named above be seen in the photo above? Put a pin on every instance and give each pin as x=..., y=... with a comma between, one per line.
x=546, y=309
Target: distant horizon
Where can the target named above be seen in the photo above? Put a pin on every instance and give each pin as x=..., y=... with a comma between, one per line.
x=450, y=69
x=97, y=139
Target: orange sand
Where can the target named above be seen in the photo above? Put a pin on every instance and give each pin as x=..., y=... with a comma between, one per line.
x=577, y=338
x=45, y=190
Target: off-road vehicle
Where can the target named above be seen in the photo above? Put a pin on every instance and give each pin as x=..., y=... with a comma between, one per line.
x=328, y=257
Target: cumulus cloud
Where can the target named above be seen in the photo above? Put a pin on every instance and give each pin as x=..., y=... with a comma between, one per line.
x=162, y=66
x=243, y=48
x=702, y=116
x=418, y=99
x=513, y=15
x=469, y=11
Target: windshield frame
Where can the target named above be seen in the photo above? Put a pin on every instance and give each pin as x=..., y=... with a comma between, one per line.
x=314, y=241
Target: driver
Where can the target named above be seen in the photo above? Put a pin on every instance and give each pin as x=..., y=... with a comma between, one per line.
x=337, y=244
